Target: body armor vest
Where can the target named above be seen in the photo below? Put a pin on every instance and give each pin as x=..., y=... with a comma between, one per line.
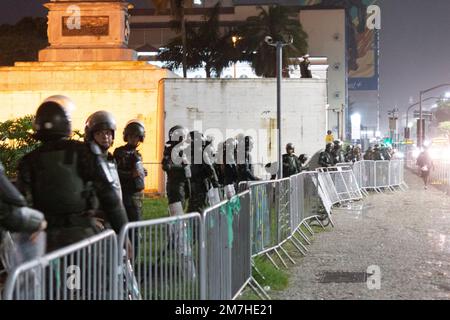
x=58, y=188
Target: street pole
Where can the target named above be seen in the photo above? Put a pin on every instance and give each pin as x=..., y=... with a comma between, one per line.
x=279, y=76
x=420, y=138
x=279, y=67
x=421, y=135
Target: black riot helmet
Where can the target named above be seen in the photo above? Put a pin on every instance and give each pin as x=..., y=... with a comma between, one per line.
x=290, y=146
x=178, y=134
x=134, y=128
x=329, y=147
x=52, y=120
x=100, y=120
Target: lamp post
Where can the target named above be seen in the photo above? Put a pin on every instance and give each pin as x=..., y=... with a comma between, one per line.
x=421, y=135
x=279, y=45
x=412, y=106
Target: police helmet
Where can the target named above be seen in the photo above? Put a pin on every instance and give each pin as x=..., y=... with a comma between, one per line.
x=53, y=119
x=178, y=133
x=290, y=146
x=134, y=128
x=100, y=120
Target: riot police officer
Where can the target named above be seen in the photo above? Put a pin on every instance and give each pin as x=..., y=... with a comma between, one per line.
x=377, y=155
x=130, y=168
x=14, y=214
x=24, y=222
x=63, y=178
x=210, y=157
x=338, y=153
x=202, y=172
x=175, y=163
x=326, y=157
x=230, y=170
x=245, y=167
x=349, y=156
x=386, y=152
x=291, y=165
x=368, y=155
x=99, y=134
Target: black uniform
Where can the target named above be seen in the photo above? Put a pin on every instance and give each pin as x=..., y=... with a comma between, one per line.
x=326, y=159
x=132, y=179
x=291, y=165
x=14, y=216
x=178, y=174
x=245, y=169
x=68, y=181
x=203, y=174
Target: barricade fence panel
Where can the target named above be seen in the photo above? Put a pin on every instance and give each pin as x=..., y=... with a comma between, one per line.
x=240, y=242
x=263, y=216
x=160, y=259
x=382, y=174
x=82, y=271
x=283, y=192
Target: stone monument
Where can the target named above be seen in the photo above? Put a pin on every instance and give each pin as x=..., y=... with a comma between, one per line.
x=88, y=30
x=88, y=60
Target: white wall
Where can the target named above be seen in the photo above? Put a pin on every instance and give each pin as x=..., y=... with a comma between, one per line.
x=326, y=37
x=250, y=104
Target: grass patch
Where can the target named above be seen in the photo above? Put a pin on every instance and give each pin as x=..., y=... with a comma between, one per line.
x=155, y=208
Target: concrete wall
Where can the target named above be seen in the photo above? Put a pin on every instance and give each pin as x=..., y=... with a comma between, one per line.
x=249, y=106
x=326, y=37
x=129, y=90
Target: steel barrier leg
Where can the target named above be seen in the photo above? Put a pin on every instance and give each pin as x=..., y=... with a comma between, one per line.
x=273, y=262
x=300, y=242
x=257, y=270
x=279, y=256
x=287, y=254
x=304, y=237
x=320, y=222
x=310, y=230
x=296, y=245
x=256, y=286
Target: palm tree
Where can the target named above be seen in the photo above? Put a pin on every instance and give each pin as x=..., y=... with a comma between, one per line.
x=177, y=10
x=279, y=23
x=208, y=47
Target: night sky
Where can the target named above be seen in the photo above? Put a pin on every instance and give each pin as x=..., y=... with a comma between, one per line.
x=415, y=46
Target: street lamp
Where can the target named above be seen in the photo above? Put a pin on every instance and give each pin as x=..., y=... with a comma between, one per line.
x=421, y=135
x=412, y=106
x=279, y=45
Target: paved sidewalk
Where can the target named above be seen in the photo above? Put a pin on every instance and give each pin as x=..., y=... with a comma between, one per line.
x=406, y=234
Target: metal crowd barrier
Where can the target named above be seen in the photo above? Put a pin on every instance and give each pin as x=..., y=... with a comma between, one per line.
x=280, y=208
x=160, y=259
x=440, y=174
x=227, y=249
x=82, y=271
x=201, y=257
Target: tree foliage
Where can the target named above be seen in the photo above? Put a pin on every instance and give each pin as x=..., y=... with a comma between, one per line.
x=22, y=41
x=206, y=46
x=16, y=140
x=280, y=23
